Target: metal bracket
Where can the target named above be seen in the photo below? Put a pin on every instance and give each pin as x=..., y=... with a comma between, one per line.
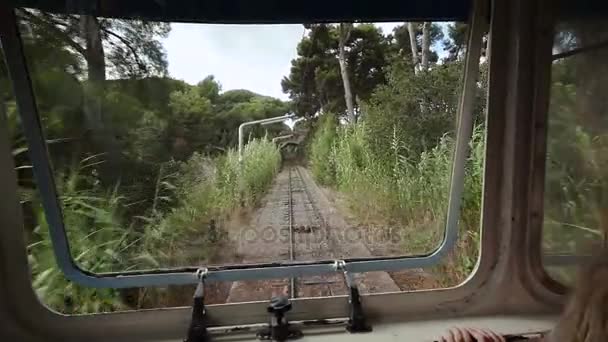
x=197, y=332
x=357, y=322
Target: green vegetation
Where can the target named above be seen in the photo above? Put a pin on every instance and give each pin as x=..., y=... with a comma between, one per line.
x=397, y=189
x=145, y=165
x=147, y=172
x=393, y=163
x=102, y=239
x=576, y=215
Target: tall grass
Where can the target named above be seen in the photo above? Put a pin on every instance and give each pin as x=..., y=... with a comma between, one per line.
x=576, y=179
x=403, y=190
x=321, y=148
x=200, y=191
x=99, y=242
x=209, y=190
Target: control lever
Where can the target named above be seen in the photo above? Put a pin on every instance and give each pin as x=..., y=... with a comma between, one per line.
x=357, y=323
x=197, y=332
x=279, y=328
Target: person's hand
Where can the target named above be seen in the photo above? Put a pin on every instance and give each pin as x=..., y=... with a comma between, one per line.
x=471, y=335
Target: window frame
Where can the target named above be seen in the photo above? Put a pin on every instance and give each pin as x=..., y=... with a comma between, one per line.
x=18, y=70
x=503, y=266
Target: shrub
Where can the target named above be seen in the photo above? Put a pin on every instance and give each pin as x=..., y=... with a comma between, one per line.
x=399, y=188
x=175, y=233
x=321, y=150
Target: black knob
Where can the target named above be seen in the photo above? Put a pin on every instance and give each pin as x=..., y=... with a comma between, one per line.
x=279, y=328
x=279, y=304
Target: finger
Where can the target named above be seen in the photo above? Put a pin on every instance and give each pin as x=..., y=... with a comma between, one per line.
x=451, y=336
x=480, y=335
x=495, y=337
x=466, y=335
x=457, y=334
x=445, y=337
x=489, y=335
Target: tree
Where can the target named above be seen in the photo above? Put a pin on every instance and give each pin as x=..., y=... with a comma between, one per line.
x=456, y=42
x=130, y=48
x=426, y=43
x=413, y=45
x=314, y=75
x=188, y=128
x=202, y=119
x=209, y=88
x=369, y=55
x=420, y=106
x=188, y=102
x=414, y=40
x=344, y=33
x=124, y=48
x=234, y=107
x=316, y=81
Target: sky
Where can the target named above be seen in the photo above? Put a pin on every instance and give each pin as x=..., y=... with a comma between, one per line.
x=254, y=57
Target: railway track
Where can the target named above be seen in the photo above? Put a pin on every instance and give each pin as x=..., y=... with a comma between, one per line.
x=310, y=239
x=294, y=225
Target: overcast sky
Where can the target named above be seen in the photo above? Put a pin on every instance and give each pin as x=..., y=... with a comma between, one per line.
x=254, y=57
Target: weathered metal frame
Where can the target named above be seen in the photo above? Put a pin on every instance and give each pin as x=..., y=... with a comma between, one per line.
x=509, y=260
x=26, y=101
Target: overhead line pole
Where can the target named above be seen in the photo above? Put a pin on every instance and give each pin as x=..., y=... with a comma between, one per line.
x=242, y=126
x=267, y=121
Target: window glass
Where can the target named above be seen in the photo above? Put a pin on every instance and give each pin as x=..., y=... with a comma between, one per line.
x=142, y=118
x=576, y=207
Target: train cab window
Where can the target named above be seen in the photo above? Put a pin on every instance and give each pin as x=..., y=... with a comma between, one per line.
x=325, y=161
x=351, y=155
x=575, y=188
x=158, y=161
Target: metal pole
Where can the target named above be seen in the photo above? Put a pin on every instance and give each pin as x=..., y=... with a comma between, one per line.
x=255, y=122
x=275, y=139
x=242, y=126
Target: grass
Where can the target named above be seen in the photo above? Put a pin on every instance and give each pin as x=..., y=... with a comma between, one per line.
x=200, y=191
x=403, y=190
x=575, y=215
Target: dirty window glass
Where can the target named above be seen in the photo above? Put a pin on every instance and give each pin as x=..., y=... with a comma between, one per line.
x=576, y=205
x=142, y=124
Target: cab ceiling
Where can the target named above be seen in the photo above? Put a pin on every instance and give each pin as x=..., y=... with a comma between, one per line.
x=261, y=11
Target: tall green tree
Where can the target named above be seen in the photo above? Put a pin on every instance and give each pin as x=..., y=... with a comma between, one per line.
x=209, y=88
x=413, y=42
x=420, y=106
x=344, y=31
x=120, y=48
x=456, y=41
x=200, y=118
x=316, y=80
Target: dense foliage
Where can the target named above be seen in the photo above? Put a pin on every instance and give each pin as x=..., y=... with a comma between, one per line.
x=146, y=167
x=576, y=218
x=315, y=82
x=183, y=226
x=394, y=165
x=145, y=164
